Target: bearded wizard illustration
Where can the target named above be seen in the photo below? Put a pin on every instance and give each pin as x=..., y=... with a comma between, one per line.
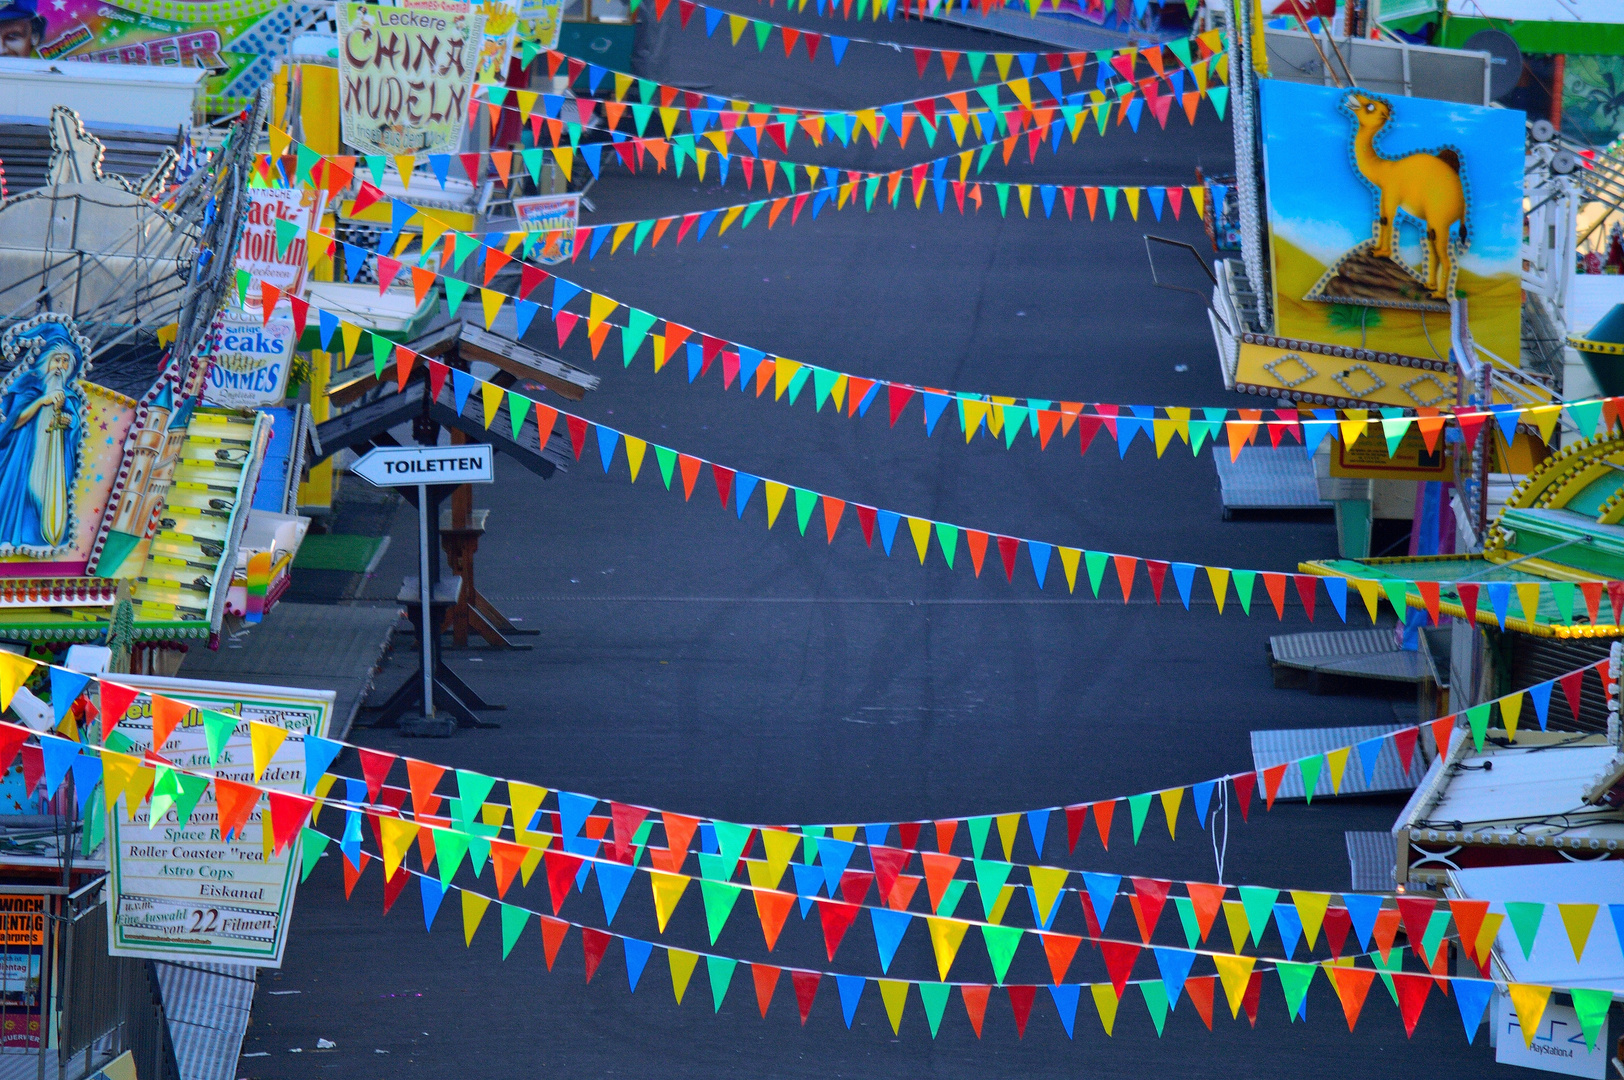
x=42, y=409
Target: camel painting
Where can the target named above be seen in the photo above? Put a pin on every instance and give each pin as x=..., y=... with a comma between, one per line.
x=1425, y=185
x=1381, y=210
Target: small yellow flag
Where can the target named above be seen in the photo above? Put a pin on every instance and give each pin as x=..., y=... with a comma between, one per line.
x=682, y=969
x=1510, y=710
x=1577, y=919
x=526, y=800
x=1239, y=927
x=1068, y=559
x=491, y=301
x=1530, y=1002
x=920, y=528
x=404, y=164
x=396, y=835
x=1008, y=826
x=1338, y=760
x=1528, y=600
x=974, y=413
x=473, y=910
x=635, y=449
x=783, y=372
x=266, y=740
x=1311, y=908
x=780, y=848
x=1370, y=593
x=775, y=499
x=1106, y=1002
x=117, y=771
x=1047, y=883
x=1171, y=798
x=602, y=307
x=490, y=394
x=1235, y=972
x=668, y=889
x=14, y=671
x=895, y=995
x=352, y=338
x=946, y=935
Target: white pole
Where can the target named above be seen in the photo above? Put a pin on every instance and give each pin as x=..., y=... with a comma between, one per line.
x=423, y=592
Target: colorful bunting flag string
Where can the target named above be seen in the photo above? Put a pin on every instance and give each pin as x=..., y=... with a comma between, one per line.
x=1239, y=979
x=736, y=487
x=779, y=128
x=727, y=843
x=1426, y=924
x=1113, y=72
x=1040, y=416
x=995, y=127
x=922, y=9
x=762, y=30
x=1114, y=79
x=1329, y=766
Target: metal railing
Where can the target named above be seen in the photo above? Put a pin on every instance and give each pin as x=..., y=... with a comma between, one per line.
x=81, y=1007
x=108, y=1004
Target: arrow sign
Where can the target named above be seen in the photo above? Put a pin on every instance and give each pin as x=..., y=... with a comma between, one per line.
x=407, y=466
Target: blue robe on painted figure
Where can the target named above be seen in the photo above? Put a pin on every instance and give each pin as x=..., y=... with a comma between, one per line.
x=41, y=428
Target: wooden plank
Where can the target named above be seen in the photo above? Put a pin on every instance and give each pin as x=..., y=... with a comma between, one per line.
x=523, y=362
x=353, y=382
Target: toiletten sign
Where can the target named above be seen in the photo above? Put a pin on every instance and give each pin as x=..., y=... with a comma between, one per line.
x=181, y=891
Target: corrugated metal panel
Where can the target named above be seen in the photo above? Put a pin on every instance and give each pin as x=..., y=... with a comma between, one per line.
x=1270, y=748
x=207, y=1006
x=1369, y=654
x=130, y=154
x=1372, y=857
x=1269, y=478
x=1540, y=659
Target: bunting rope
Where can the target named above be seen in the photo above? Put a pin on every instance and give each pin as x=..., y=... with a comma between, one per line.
x=991, y=124
x=736, y=486
x=1123, y=423
x=1239, y=977
x=921, y=9
x=763, y=29
x=780, y=126
x=53, y=758
x=1122, y=62
x=125, y=775
x=68, y=687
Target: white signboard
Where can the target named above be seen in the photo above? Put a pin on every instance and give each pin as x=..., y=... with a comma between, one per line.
x=249, y=361
x=183, y=892
x=405, y=466
x=301, y=206
x=1559, y=1046
x=555, y=215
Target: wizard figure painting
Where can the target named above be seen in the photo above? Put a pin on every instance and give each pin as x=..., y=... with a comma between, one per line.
x=42, y=410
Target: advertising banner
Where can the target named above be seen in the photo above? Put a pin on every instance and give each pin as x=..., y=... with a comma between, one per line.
x=550, y=214
x=236, y=41
x=1381, y=210
x=405, y=75
x=250, y=361
x=22, y=946
x=541, y=21
x=184, y=892
x=263, y=255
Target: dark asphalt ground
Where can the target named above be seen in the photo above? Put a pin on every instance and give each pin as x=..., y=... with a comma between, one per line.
x=695, y=662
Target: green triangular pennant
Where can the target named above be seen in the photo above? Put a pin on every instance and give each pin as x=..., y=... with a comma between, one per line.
x=1138, y=806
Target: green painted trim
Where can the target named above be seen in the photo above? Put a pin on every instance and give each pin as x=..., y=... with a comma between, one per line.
x=1551, y=38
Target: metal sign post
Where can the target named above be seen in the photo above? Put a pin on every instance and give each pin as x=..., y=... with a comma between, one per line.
x=418, y=466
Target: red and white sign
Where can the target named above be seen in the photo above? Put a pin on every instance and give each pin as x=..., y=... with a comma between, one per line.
x=257, y=253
